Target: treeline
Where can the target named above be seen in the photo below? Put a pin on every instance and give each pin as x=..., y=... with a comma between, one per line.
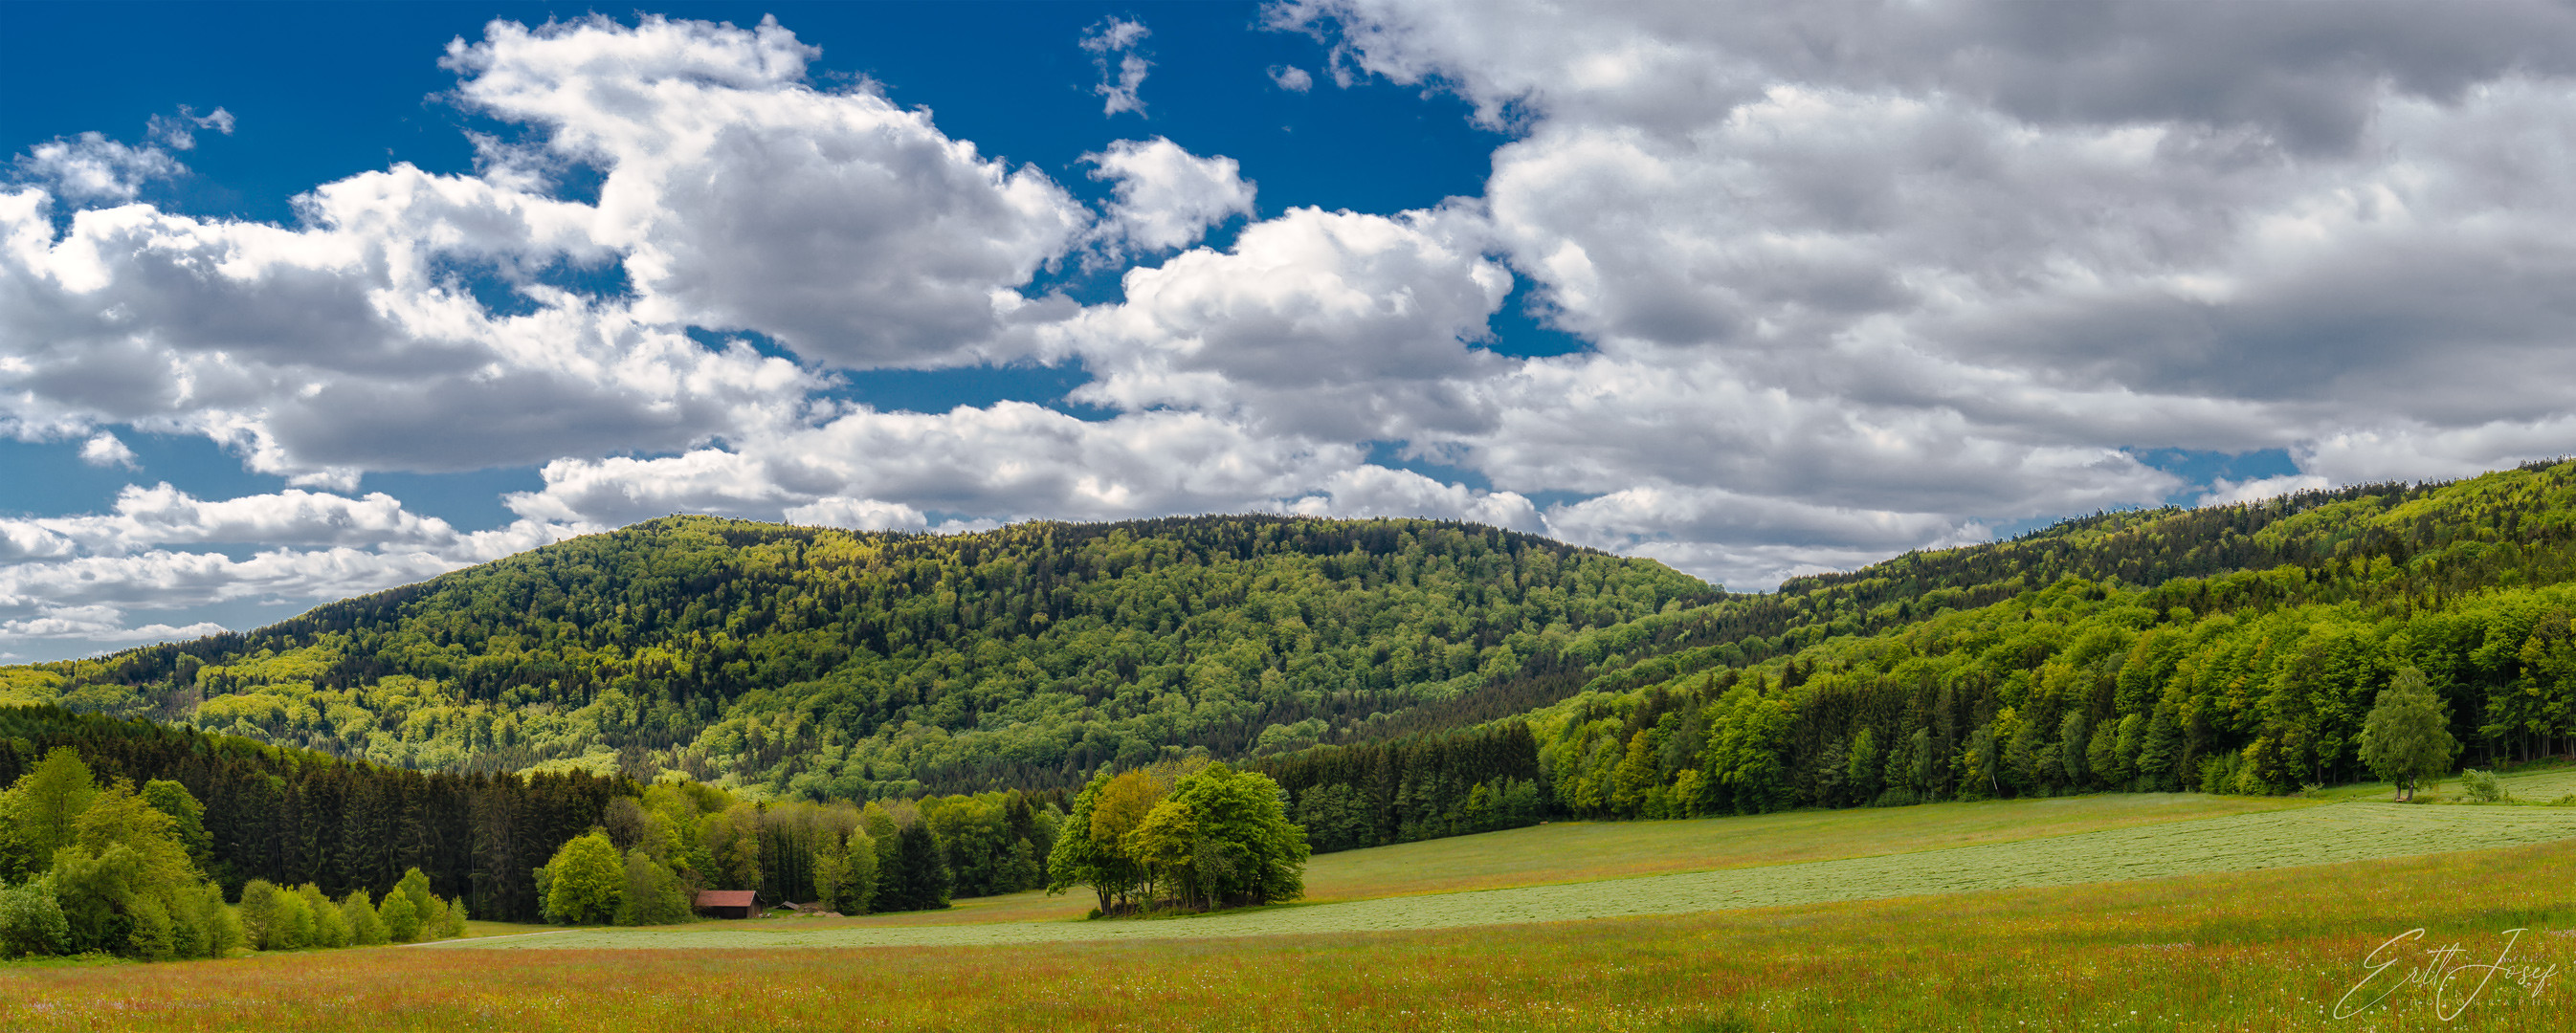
x=1422, y=787
x=652, y=853
x=91, y=868
x=824, y=664
x=292, y=817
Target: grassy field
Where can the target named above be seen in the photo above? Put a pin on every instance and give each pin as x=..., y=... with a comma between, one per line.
x=1585, y=851
x=2079, y=913
x=2268, y=950
x=2270, y=839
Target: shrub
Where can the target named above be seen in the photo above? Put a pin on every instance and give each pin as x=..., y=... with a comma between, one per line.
x=31, y=919
x=2483, y=786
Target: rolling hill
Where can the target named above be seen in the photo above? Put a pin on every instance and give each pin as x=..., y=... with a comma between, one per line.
x=817, y=662
x=860, y=665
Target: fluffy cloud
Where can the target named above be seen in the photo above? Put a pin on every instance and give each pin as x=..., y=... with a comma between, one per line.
x=743, y=198
x=1959, y=263
x=1376, y=491
x=105, y=449
x=76, y=578
x=1334, y=325
x=350, y=344
x=1166, y=197
x=1010, y=460
x=92, y=167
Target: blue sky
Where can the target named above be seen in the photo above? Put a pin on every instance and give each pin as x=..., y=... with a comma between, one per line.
x=303, y=300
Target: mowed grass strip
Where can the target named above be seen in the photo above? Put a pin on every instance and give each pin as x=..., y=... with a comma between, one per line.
x=1589, y=851
x=2271, y=839
x=2262, y=951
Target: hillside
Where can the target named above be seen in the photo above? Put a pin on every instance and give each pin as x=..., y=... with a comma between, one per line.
x=829, y=663
x=860, y=665
x=2039, y=667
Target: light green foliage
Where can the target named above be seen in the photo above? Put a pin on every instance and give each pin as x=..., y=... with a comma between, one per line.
x=2483, y=787
x=187, y=816
x=451, y=920
x=366, y=927
x=400, y=916
x=221, y=922
x=1093, y=851
x=124, y=882
x=24, y=685
x=650, y=894
x=1208, y=836
x=732, y=840
x=275, y=918
x=37, y=812
x=415, y=884
x=2407, y=736
x=1240, y=847
x=258, y=911
x=589, y=882
x=31, y=919
x=988, y=852
x=857, y=889
x=330, y=926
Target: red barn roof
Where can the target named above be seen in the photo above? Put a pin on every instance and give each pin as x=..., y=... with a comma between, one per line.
x=724, y=898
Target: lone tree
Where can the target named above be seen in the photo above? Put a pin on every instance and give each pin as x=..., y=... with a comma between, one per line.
x=2408, y=734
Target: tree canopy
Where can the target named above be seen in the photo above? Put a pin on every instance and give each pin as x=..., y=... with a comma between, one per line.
x=2407, y=736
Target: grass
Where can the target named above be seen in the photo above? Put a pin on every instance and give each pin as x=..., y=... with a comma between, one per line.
x=2267, y=839
x=2261, y=950
x=1586, y=851
x=2068, y=914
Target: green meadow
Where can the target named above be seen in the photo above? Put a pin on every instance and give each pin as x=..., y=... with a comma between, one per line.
x=2265, y=950
x=2242, y=842
x=2112, y=912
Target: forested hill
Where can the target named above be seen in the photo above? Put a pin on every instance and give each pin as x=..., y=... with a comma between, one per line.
x=2233, y=650
x=839, y=664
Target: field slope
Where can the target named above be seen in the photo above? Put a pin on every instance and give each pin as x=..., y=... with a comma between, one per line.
x=2256, y=839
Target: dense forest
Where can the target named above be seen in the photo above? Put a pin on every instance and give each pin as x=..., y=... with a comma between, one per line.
x=2112, y=653
x=834, y=665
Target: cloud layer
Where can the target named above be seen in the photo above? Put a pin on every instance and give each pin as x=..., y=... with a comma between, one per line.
x=1849, y=280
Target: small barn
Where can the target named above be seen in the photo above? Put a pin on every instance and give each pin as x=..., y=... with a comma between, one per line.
x=725, y=903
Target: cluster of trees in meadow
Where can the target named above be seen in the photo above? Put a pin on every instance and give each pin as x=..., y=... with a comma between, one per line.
x=92, y=868
x=293, y=817
x=825, y=664
x=263, y=818
x=275, y=917
x=1187, y=835
x=652, y=853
